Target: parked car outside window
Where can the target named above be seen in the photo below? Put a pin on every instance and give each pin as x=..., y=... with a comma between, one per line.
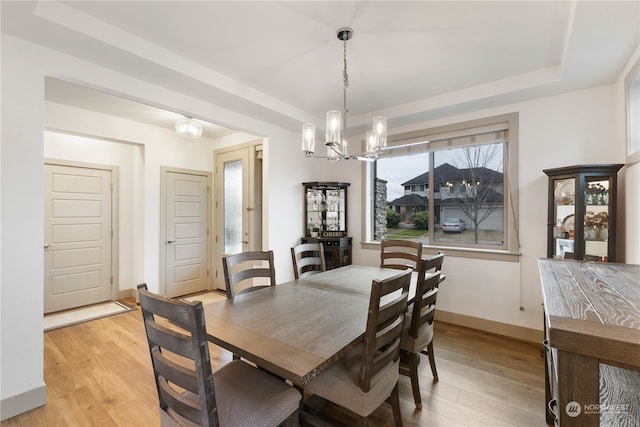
x=454, y=225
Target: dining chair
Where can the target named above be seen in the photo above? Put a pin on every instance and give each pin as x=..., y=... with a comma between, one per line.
x=189, y=392
x=400, y=254
x=240, y=270
x=417, y=336
x=367, y=376
x=308, y=259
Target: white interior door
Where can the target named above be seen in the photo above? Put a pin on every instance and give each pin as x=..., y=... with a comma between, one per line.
x=186, y=231
x=78, y=237
x=238, y=212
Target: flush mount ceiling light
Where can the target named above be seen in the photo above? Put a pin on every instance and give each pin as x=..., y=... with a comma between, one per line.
x=188, y=128
x=335, y=141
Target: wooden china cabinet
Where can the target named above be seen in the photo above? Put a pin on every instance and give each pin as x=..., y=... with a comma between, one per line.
x=326, y=220
x=582, y=204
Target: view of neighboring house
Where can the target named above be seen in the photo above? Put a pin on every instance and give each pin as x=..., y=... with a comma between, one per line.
x=470, y=193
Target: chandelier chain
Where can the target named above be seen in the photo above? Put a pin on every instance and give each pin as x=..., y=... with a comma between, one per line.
x=345, y=78
x=344, y=73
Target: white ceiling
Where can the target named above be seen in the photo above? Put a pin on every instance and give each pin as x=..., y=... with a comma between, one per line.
x=281, y=61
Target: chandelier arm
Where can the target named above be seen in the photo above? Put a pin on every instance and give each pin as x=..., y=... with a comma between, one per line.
x=338, y=152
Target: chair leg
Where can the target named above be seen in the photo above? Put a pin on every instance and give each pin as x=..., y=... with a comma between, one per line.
x=432, y=361
x=395, y=405
x=414, y=359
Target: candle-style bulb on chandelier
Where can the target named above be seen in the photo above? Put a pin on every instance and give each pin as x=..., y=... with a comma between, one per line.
x=335, y=130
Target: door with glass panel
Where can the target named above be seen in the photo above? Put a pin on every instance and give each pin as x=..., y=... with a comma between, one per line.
x=237, y=204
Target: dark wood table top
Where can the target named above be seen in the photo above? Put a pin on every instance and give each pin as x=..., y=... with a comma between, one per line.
x=593, y=309
x=298, y=328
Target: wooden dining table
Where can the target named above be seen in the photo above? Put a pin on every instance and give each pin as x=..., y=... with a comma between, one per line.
x=298, y=328
x=592, y=328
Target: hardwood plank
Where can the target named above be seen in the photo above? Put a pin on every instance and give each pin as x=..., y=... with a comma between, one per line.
x=99, y=373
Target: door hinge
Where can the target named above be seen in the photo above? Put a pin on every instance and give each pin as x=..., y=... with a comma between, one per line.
x=207, y=273
x=111, y=280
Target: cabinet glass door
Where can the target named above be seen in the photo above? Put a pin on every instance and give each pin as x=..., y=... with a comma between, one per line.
x=326, y=209
x=596, y=219
x=564, y=218
x=582, y=212
x=315, y=206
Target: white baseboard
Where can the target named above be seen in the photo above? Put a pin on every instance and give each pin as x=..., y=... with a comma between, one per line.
x=127, y=293
x=23, y=402
x=505, y=329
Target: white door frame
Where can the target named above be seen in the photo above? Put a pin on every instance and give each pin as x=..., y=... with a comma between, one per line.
x=115, y=285
x=163, y=222
x=256, y=195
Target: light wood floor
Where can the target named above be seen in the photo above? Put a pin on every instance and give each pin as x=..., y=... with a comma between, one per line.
x=99, y=374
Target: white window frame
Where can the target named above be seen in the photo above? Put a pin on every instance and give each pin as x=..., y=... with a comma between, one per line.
x=440, y=140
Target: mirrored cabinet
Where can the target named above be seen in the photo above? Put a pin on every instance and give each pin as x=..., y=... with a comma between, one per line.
x=326, y=209
x=326, y=220
x=582, y=212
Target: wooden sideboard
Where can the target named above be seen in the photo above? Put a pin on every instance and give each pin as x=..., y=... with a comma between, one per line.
x=592, y=342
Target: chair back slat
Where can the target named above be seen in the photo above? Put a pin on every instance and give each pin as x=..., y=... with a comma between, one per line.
x=175, y=373
x=186, y=408
x=179, y=351
x=172, y=340
x=400, y=254
x=435, y=262
x=242, y=267
x=428, y=312
x=384, y=325
x=307, y=259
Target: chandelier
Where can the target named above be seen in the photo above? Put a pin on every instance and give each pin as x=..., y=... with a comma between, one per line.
x=335, y=138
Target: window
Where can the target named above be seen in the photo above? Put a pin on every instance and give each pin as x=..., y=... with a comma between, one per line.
x=463, y=174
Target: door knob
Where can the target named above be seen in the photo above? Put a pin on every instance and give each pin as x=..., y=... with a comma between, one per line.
x=171, y=241
x=46, y=245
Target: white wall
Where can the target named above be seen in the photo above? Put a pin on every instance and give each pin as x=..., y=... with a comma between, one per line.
x=575, y=128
